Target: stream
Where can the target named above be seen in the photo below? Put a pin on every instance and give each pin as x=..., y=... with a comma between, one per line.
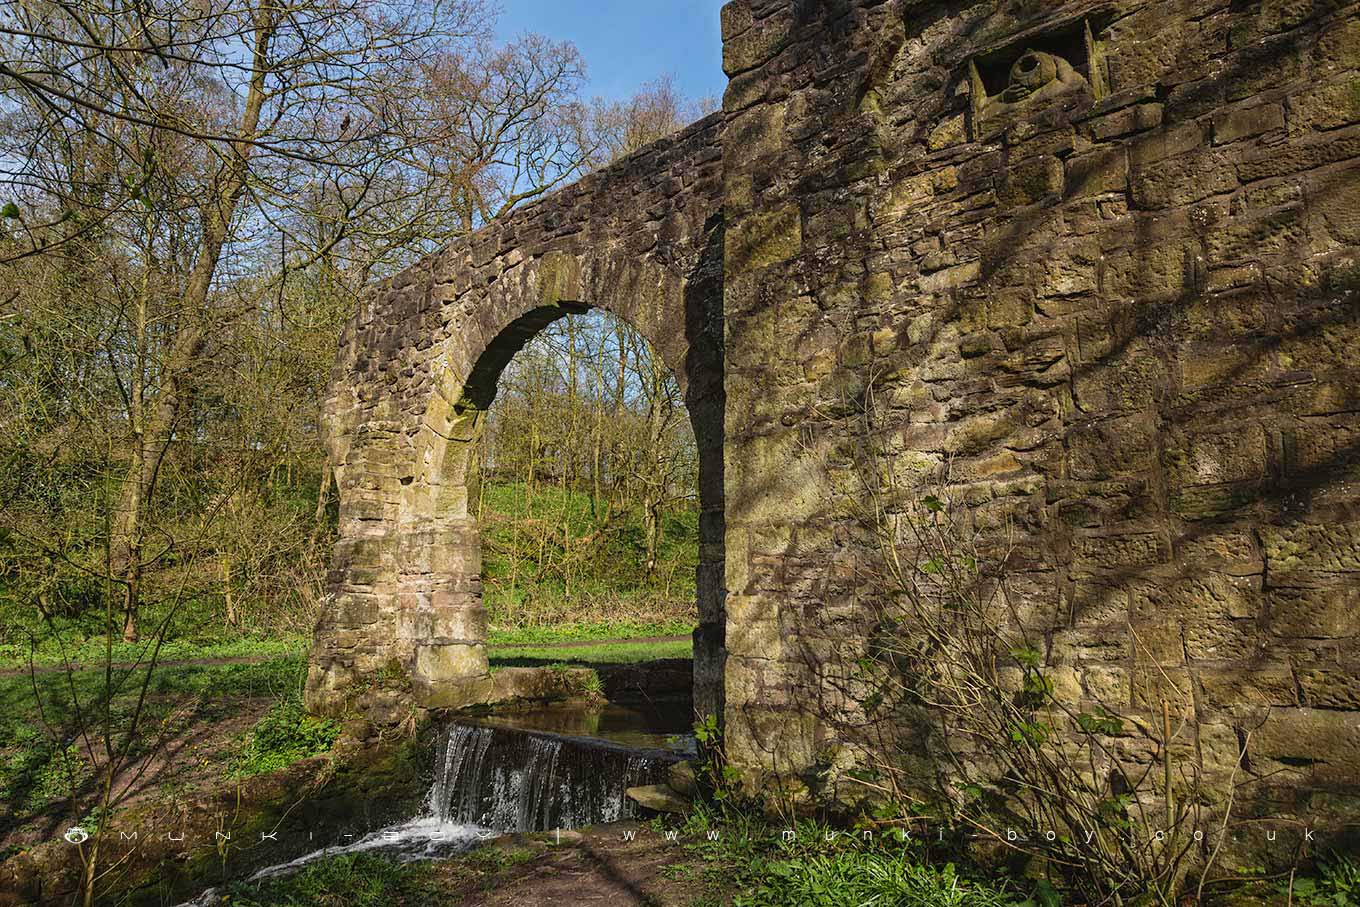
x=557, y=767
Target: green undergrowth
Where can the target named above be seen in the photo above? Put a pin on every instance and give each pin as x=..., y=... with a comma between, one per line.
x=740, y=854
x=551, y=557
x=90, y=652
x=374, y=880
x=745, y=860
x=554, y=570
x=1337, y=884
x=285, y=734
x=42, y=717
x=89, y=655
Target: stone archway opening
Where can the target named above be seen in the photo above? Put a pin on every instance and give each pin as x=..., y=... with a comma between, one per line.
x=582, y=481
x=441, y=614
x=450, y=619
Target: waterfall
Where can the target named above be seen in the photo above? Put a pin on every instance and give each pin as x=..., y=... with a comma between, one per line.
x=513, y=780
x=489, y=780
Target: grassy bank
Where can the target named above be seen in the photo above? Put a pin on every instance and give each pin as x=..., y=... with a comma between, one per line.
x=729, y=858
x=370, y=880
x=556, y=568
x=89, y=654
x=194, y=723
x=245, y=718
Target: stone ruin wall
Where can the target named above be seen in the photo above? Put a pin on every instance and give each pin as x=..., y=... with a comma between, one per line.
x=1105, y=293
x=405, y=626
x=1110, y=295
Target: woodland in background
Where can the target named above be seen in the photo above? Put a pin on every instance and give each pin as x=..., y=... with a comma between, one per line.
x=590, y=477
x=191, y=199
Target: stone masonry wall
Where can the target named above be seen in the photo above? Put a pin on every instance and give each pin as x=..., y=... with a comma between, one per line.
x=1089, y=270
x=417, y=368
x=1104, y=292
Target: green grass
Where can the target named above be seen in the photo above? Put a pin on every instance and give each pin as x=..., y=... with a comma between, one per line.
x=284, y=735
x=585, y=631
x=753, y=861
x=535, y=570
x=40, y=717
x=539, y=589
x=352, y=880
x=90, y=651
x=374, y=880
x=618, y=653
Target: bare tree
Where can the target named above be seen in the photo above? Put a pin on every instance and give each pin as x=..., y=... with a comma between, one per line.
x=656, y=111
x=191, y=172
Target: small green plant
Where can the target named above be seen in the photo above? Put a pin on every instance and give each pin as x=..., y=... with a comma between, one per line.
x=34, y=776
x=284, y=735
x=593, y=684
x=814, y=865
x=1337, y=885
x=715, y=776
x=853, y=877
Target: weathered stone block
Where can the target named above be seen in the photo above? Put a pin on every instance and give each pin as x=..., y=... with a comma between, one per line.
x=951, y=278
x=747, y=42
x=1183, y=180
x=1166, y=268
x=457, y=617
x=1152, y=685
x=443, y=672
x=1129, y=382
x=1303, y=548
x=953, y=131
x=1327, y=742
x=1326, y=106
x=765, y=239
x=1030, y=181
x=1125, y=121
x=1331, y=612
x=1236, y=453
x=1108, y=686
x=1110, y=448
x=1114, y=552
x=1339, y=45
x=1305, y=154
x=1098, y=171
x=1262, y=685
x=356, y=611
x=1336, y=200
x=1166, y=142
x=1329, y=683
x=1245, y=122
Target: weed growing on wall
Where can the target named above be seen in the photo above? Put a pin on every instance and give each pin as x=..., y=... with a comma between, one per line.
x=981, y=723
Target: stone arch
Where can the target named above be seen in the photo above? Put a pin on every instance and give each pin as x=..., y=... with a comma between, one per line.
x=403, y=625
x=441, y=563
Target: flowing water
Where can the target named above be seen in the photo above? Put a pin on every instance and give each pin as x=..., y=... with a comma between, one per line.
x=533, y=781
x=509, y=774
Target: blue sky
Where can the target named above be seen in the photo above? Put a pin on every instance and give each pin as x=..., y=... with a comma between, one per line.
x=629, y=42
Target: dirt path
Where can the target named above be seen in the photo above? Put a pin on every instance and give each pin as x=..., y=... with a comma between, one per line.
x=598, y=866
x=261, y=659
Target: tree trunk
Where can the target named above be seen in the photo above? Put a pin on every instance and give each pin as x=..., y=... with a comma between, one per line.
x=232, y=619
x=152, y=437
